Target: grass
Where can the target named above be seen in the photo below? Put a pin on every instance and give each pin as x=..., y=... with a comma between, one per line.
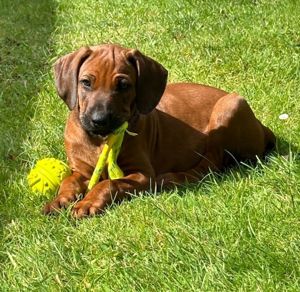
x=237, y=231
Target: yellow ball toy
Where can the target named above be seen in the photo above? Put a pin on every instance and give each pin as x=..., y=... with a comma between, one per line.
x=47, y=175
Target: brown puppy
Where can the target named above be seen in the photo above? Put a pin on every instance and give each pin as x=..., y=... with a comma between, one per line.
x=184, y=129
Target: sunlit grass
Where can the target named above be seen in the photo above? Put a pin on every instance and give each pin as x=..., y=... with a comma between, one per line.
x=235, y=231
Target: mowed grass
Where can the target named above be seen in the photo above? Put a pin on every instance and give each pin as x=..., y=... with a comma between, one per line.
x=235, y=231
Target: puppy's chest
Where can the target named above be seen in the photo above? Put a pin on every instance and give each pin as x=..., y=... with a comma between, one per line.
x=82, y=152
x=90, y=153
x=83, y=158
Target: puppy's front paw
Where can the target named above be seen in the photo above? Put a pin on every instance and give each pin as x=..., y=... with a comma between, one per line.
x=60, y=202
x=88, y=207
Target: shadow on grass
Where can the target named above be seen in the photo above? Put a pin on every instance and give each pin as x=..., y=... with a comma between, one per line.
x=284, y=148
x=241, y=170
x=25, y=48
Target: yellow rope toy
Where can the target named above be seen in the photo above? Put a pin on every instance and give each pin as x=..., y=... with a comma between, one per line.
x=109, y=156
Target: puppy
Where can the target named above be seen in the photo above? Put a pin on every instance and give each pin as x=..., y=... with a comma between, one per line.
x=184, y=130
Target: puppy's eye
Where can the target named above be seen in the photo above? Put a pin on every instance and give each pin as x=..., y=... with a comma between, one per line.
x=86, y=83
x=122, y=84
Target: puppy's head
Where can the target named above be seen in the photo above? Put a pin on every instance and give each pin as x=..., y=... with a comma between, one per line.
x=108, y=84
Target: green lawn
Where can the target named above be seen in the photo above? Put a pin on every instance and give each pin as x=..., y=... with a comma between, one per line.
x=237, y=231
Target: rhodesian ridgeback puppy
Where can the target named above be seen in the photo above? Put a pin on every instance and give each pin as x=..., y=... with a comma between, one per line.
x=184, y=130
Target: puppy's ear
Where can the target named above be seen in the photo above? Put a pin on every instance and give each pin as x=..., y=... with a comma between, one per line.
x=151, y=81
x=66, y=71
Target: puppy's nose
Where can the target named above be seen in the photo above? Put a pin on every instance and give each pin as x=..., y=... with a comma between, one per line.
x=100, y=119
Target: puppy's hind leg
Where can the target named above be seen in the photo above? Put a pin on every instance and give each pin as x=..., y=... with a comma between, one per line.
x=234, y=127
x=233, y=132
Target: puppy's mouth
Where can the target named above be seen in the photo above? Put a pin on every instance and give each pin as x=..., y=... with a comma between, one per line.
x=102, y=130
